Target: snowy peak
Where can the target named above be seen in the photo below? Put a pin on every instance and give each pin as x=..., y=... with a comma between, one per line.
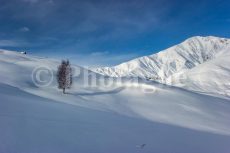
x=184, y=56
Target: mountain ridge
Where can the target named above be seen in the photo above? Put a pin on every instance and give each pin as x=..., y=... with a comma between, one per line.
x=198, y=64
x=164, y=63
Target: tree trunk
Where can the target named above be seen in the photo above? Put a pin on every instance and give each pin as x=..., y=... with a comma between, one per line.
x=63, y=90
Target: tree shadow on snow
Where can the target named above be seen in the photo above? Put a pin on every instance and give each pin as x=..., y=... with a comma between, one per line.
x=114, y=91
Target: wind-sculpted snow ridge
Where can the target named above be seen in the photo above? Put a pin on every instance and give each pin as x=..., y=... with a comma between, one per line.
x=166, y=64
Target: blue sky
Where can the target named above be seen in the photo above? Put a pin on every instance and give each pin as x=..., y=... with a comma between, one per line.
x=107, y=32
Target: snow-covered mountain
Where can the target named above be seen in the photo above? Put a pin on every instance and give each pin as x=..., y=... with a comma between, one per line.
x=94, y=118
x=168, y=65
x=211, y=77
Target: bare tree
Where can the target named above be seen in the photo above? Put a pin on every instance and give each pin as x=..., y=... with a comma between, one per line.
x=64, y=75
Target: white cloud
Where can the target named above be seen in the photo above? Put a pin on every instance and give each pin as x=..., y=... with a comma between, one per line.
x=31, y=1
x=24, y=29
x=37, y=1
x=99, y=53
x=93, y=60
x=12, y=43
x=50, y=1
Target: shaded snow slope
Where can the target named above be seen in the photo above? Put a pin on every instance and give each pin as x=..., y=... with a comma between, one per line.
x=29, y=124
x=189, y=54
x=212, y=77
x=104, y=118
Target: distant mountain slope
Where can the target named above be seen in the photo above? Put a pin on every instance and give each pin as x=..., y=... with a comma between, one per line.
x=173, y=61
x=212, y=77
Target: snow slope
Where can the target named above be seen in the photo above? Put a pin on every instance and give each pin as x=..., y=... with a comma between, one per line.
x=175, y=60
x=29, y=124
x=212, y=77
x=104, y=118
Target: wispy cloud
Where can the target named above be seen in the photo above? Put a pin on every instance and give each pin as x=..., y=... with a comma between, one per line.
x=102, y=60
x=24, y=29
x=96, y=59
x=12, y=43
x=31, y=1
x=37, y=1
x=99, y=53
